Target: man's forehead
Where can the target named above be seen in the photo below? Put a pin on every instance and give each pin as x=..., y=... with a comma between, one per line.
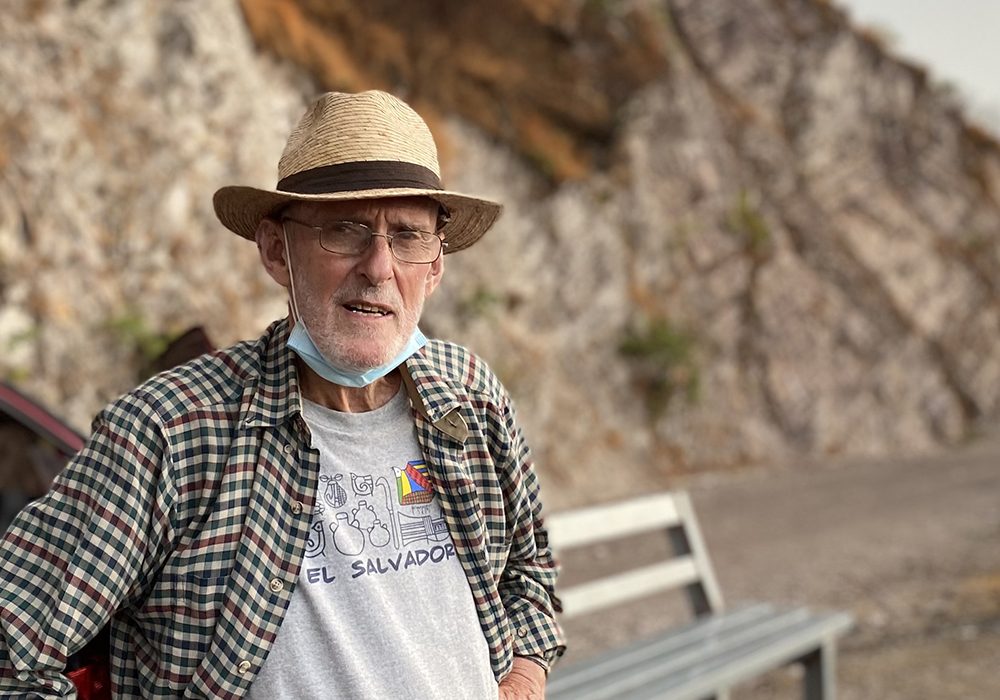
x=393, y=208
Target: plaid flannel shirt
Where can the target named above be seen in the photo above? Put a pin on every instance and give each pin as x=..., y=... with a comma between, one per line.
x=184, y=521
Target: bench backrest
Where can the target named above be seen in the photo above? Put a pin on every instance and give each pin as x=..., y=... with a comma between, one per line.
x=671, y=512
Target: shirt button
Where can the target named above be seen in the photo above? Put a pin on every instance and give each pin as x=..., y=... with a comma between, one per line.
x=244, y=667
x=522, y=633
x=296, y=507
x=276, y=585
x=289, y=448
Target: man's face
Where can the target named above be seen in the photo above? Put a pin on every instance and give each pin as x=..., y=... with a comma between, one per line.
x=360, y=309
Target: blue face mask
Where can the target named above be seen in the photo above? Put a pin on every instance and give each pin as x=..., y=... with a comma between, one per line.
x=302, y=343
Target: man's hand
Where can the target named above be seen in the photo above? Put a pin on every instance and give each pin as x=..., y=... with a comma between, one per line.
x=526, y=681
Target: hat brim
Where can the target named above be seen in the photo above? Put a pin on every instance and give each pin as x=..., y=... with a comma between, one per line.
x=241, y=209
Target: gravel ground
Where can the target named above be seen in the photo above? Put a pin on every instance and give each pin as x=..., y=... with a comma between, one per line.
x=909, y=546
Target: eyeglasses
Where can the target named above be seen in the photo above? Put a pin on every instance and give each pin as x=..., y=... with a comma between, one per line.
x=352, y=238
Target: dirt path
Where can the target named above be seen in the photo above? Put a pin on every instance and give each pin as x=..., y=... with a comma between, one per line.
x=910, y=546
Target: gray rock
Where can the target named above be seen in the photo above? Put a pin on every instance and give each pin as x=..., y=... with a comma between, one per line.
x=793, y=252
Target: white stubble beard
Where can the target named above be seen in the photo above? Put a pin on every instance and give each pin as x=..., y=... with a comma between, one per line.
x=333, y=342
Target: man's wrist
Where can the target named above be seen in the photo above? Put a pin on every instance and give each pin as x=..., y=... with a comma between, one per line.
x=526, y=681
x=536, y=659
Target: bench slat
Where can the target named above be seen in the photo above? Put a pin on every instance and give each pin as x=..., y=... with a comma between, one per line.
x=664, y=659
x=626, y=586
x=698, y=669
x=602, y=523
x=749, y=660
x=563, y=679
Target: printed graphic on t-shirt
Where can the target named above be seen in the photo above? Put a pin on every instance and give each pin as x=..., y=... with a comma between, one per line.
x=382, y=524
x=413, y=484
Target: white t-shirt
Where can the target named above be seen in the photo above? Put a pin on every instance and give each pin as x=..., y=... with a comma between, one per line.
x=383, y=608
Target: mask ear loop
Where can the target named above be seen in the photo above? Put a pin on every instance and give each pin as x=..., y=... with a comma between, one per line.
x=291, y=275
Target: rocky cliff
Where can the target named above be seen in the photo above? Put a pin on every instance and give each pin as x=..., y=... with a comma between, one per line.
x=735, y=231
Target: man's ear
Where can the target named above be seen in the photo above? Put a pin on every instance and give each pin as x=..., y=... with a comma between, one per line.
x=271, y=246
x=434, y=276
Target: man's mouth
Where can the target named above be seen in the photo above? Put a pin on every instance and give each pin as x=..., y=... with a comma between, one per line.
x=367, y=309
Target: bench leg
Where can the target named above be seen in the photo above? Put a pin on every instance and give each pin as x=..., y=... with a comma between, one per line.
x=820, y=673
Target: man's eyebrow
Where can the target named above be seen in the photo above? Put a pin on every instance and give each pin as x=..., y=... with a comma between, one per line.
x=410, y=226
x=404, y=222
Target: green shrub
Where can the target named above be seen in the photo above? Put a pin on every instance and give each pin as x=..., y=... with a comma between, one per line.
x=748, y=224
x=482, y=301
x=663, y=363
x=132, y=331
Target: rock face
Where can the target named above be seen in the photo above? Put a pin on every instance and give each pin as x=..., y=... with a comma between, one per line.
x=752, y=235
x=118, y=122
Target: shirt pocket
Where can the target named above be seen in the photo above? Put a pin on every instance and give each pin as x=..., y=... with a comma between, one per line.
x=179, y=618
x=498, y=549
x=198, y=598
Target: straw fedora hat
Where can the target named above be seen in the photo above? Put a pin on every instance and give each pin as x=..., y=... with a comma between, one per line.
x=368, y=145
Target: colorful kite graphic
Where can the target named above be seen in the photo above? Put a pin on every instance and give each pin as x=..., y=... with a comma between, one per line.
x=412, y=484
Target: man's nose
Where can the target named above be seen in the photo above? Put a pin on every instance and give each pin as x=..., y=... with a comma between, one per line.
x=377, y=261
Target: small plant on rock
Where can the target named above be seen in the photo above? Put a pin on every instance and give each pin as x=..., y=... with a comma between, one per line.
x=747, y=224
x=132, y=331
x=662, y=358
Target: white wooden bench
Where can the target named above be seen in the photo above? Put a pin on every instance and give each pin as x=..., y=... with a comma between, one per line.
x=699, y=660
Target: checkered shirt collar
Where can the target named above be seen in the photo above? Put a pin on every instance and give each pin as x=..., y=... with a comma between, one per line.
x=274, y=397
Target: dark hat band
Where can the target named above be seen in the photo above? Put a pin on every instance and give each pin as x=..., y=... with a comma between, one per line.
x=361, y=175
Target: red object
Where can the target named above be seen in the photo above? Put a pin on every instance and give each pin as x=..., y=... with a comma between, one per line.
x=93, y=681
x=32, y=416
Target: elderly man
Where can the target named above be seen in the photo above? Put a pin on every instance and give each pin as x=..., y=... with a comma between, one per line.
x=340, y=509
